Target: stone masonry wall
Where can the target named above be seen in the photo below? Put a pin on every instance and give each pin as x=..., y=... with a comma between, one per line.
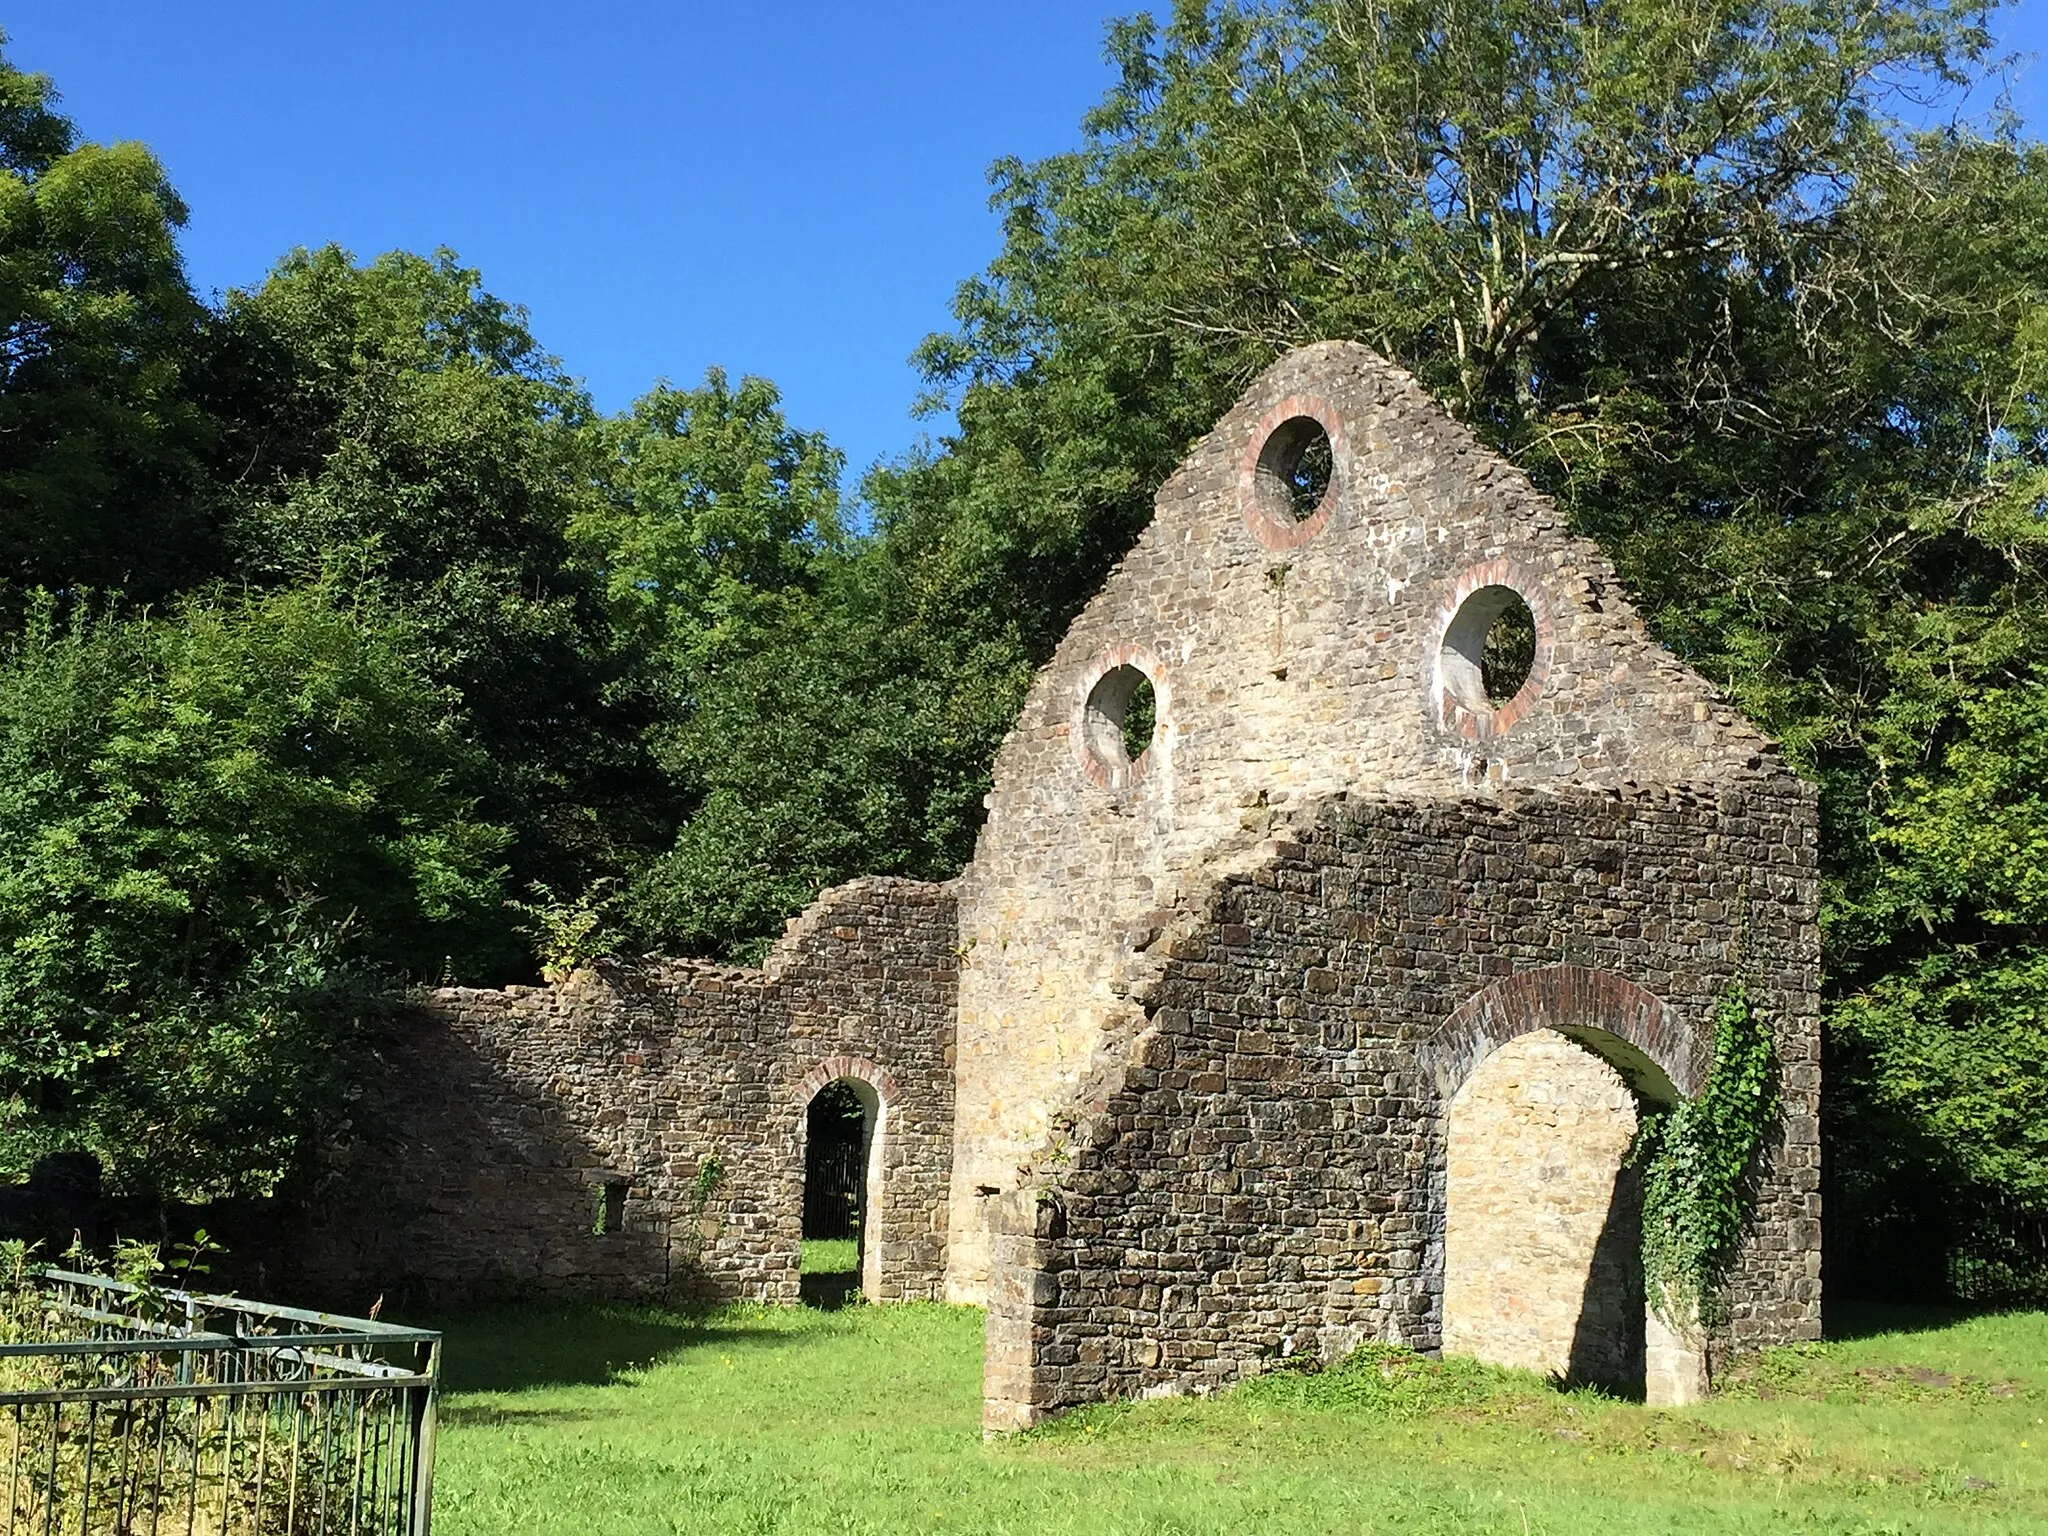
x=1263, y=1172
x=505, y=1114
x=1290, y=661
x=1170, y=1088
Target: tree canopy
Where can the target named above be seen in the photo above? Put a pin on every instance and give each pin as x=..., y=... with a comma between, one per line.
x=1702, y=270
x=100, y=441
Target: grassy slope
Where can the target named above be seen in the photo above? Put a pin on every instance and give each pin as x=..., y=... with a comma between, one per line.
x=866, y=1421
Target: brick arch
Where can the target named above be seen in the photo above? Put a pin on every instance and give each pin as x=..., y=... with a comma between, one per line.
x=1147, y=661
x=1628, y=1026
x=1276, y=530
x=833, y=1068
x=1444, y=707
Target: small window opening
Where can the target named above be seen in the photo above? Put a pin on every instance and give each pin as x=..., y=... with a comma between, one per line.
x=837, y=1127
x=1489, y=649
x=610, y=1216
x=1122, y=719
x=1297, y=466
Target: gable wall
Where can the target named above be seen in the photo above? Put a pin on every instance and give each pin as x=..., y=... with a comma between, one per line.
x=1285, y=674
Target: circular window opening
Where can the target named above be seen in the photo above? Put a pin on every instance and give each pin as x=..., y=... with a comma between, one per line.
x=1122, y=717
x=1296, y=468
x=1489, y=649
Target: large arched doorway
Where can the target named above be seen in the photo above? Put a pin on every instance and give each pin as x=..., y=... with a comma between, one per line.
x=1543, y=1217
x=846, y=1106
x=1544, y=1080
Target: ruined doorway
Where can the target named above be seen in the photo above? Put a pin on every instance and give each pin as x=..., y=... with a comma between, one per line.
x=1543, y=1216
x=842, y=1164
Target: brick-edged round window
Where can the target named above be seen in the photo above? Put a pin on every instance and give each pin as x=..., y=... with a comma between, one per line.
x=1492, y=649
x=1489, y=648
x=1290, y=480
x=1120, y=716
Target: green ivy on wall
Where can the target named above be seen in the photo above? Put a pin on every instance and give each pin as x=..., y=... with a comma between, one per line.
x=1695, y=1161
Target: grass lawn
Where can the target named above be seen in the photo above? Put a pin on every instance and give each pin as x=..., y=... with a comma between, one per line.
x=830, y=1256
x=623, y=1420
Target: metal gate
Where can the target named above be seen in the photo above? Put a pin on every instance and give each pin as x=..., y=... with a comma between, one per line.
x=135, y=1410
x=834, y=1171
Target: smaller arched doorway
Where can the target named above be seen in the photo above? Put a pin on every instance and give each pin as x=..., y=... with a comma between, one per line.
x=845, y=1129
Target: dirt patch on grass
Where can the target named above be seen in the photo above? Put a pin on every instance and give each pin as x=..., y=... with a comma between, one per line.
x=1804, y=1373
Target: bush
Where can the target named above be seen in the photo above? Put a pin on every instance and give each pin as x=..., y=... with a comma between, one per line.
x=227, y=836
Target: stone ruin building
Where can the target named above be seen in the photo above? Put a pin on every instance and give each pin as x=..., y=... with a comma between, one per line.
x=1323, y=1014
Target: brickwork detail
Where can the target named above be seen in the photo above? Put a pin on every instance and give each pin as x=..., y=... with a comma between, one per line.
x=1275, y=527
x=1658, y=1053
x=1095, y=759
x=857, y=1069
x=1446, y=708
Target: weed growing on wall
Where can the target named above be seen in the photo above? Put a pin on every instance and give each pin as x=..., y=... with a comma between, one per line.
x=567, y=933
x=1696, y=1160
x=710, y=1174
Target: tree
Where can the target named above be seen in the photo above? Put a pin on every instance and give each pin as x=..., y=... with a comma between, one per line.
x=396, y=420
x=717, y=538
x=807, y=730
x=229, y=834
x=100, y=448
x=829, y=744
x=1685, y=265
x=1602, y=233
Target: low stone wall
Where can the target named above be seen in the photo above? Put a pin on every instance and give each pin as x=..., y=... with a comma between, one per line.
x=1264, y=1172
x=565, y=1138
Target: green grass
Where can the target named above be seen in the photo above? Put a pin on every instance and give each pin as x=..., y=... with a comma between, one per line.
x=621, y=1421
x=830, y=1256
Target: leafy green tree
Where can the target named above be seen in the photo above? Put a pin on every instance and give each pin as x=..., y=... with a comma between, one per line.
x=485, y=653
x=715, y=511
x=712, y=524
x=788, y=754
x=805, y=728
x=831, y=744
x=225, y=836
x=101, y=451
x=396, y=420
x=1604, y=233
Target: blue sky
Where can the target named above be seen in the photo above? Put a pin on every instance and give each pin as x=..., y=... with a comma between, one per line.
x=791, y=189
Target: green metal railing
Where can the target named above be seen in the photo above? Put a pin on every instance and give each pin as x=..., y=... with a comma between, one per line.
x=136, y=1410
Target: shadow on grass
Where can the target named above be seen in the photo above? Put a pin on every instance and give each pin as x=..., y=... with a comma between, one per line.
x=467, y=1415
x=1866, y=1319
x=830, y=1291
x=589, y=1345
